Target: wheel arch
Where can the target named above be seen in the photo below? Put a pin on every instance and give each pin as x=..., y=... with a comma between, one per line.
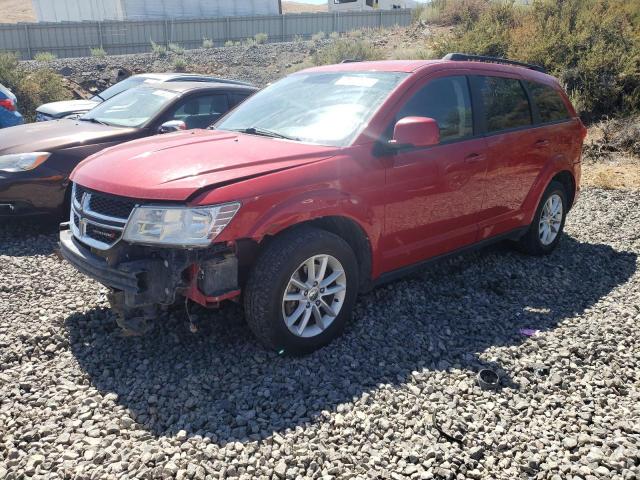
x=565, y=177
x=346, y=228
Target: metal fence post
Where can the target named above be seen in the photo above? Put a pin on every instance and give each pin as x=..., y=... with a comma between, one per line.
x=380, y=19
x=284, y=29
x=26, y=31
x=100, y=35
x=166, y=32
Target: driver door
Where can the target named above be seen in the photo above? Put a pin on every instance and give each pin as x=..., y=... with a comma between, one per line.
x=435, y=193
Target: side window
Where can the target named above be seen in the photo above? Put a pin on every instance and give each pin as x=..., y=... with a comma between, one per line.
x=549, y=102
x=505, y=103
x=200, y=111
x=448, y=102
x=236, y=99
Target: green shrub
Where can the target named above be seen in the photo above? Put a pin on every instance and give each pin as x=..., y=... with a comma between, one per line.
x=158, y=49
x=175, y=48
x=32, y=88
x=261, y=38
x=249, y=42
x=416, y=53
x=318, y=36
x=334, y=35
x=44, y=57
x=98, y=52
x=346, y=49
x=179, y=64
x=592, y=46
x=207, y=43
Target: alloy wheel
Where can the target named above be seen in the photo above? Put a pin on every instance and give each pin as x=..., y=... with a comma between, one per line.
x=314, y=296
x=550, y=219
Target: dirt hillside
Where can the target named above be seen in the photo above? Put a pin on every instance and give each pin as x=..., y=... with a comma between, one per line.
x=296, y=7
x=14, y=11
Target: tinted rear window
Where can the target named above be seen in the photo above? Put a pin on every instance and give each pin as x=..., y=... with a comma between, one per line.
x=505, y=103
x=549, y=102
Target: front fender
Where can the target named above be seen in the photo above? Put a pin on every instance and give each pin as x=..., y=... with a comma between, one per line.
x=268, y=216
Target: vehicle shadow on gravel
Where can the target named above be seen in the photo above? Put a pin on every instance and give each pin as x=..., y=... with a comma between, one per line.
x=29, y=236
x=222, y=384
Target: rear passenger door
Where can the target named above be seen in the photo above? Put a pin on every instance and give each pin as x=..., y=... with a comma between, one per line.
x=516, y=151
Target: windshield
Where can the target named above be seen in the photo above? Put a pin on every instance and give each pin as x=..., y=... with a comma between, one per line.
x=120, y=87
x=133, y=108
x=321, y=108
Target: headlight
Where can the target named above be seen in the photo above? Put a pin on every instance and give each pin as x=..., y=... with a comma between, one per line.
x=179, y=226
x=20, y=162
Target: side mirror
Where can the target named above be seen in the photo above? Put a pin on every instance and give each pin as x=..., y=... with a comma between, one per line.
x=415, y=132
x=172, y=126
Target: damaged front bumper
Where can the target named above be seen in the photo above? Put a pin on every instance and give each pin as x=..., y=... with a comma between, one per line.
x=154, y=276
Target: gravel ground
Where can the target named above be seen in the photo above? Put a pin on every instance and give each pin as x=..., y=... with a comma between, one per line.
x=79, y=401
x=257, y=64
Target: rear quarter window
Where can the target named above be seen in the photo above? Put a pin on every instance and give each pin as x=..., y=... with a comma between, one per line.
x=551, y=106
x=505, y=103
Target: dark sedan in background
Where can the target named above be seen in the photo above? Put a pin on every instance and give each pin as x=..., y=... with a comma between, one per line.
x=71, y=108
x=36, y=159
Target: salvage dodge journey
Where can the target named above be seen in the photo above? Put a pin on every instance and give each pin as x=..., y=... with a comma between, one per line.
x=323, y=185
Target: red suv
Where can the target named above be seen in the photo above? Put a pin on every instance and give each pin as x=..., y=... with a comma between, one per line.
x=325, y=184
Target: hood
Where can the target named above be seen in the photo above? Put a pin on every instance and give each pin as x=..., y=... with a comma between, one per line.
x=58, y=134
x=61, y=109
x=173, y=167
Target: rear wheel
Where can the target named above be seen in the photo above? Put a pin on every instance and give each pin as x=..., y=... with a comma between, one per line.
x=546, y=229
x=301, y=290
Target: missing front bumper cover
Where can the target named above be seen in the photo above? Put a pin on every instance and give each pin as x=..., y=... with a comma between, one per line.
x=155, y=277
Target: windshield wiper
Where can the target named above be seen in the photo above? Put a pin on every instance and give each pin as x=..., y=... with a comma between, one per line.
x=94, y=120
x=264, y=133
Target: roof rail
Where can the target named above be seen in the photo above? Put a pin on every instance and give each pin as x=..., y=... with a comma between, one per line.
x=350, y=60
x=463, y=57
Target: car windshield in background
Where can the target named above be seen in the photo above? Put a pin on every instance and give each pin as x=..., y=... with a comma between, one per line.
x=320, y=108
x=120, y=87
x=133, y=108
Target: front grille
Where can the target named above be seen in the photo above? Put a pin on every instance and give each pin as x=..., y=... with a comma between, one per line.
x=99, y=219
x=107, y=205
x=102, y=234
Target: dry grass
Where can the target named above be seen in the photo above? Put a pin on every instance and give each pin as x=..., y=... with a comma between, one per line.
x=617, y=173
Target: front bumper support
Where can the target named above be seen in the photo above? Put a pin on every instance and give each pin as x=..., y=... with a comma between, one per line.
x=155, y=277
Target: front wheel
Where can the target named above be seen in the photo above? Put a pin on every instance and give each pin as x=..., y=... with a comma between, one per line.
x=544, y=233
x=301, y=290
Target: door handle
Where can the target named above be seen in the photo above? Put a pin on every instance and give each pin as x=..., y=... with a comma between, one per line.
x=541, y=143
x=474, y=158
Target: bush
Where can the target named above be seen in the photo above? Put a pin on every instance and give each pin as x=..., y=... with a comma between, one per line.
x=179, y=64
x=261, y=38
x=159, y=50
x=346, y=49
x=334, y=35
x=98, y=52
x=44, y=57
x=592, y=46
x=32, y=89
x=417, y=53
x=316, y=37
x=207, y=43
x=175, y=48
x=450, y=12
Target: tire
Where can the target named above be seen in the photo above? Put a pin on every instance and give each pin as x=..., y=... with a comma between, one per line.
x=534, y=241
x=288, y=255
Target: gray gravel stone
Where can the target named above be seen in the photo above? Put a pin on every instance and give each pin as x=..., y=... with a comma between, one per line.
x=200, y=406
